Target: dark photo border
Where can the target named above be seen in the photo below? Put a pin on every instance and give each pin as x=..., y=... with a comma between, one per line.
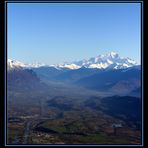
x=3, y=61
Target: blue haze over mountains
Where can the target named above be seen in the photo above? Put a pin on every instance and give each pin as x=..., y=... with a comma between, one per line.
x=113, y=91
x=119, y=76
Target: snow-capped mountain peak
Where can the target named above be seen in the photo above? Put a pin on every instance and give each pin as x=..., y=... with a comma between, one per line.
x=11, y=64
x=110, y=60
x=113, y=54
x=15, y=64
x=69, y=66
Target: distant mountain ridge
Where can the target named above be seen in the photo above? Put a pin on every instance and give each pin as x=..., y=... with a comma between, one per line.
x=12, y=64
x=109, y=73
x=111, y=60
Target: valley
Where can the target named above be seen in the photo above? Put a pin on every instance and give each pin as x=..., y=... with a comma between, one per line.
x=59, y=105
x=69, y=118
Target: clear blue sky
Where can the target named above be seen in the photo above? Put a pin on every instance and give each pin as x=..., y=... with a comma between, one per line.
x=54, y=33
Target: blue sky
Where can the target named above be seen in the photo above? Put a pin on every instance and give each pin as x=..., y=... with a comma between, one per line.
x=54, y=33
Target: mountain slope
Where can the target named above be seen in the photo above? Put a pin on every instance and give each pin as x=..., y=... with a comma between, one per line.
x=46, y=72
x=126, y=108
x=23, y=80
x=117, y=81
x=76, y=74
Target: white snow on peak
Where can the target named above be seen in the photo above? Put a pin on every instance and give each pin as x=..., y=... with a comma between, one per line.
x=70, y=66
x=100, y=66
x=113, y=53
x=15, y=64
x=131, y=61
x=125, y=65
x=11, y=64
x=35, y=65
x=110, y=60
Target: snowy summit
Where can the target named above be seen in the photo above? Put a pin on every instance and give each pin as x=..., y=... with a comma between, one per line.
x=110, y=60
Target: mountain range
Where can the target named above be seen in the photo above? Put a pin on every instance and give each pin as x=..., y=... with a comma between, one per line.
x=108, y=72
x=111, y=60
x=64, y=100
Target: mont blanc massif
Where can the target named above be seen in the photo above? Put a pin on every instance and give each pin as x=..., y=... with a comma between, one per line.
x=93, y=101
